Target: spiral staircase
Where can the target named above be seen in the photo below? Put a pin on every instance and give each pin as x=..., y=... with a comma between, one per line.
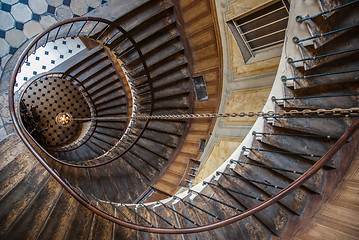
x=94, y=185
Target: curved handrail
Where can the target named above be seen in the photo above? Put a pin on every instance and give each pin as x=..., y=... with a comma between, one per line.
x=35, y=42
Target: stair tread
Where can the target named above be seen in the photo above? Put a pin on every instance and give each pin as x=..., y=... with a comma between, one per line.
x=14, y=204
x=295, y=201
x=60, y=218
x=15, y=171
x=274, y=217
x=31, y=220
x=288, y=162
x=299, y=144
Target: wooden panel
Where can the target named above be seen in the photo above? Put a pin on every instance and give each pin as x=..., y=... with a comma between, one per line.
x=339, y=218
x=199, y=21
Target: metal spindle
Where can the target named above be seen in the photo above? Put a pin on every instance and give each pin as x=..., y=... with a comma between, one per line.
x=215, y=200
x=234, y=191
x=158, y=215
x=321, y=56
x=120, y=211
x=263, y=166
x=78, y=34
x=138, y=215
x=88, y=200
x=198, y=208
x=102, y=32
x=247, y=179
x=68, y=32
x=57, y=33
x=296, y=40
x=93, y=28
x=178, y=213
x=294, y=135
x=109, y=39
x=300, y=19
x=275, y=151
x=100, y=204
x=284, y=79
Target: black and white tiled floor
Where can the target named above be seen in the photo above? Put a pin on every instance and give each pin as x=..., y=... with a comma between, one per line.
x=21, y=20
x=48, y=57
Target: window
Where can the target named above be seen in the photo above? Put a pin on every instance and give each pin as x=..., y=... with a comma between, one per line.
x=260, y=34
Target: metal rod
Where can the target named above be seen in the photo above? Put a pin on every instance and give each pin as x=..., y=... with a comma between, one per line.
x=178, y=213
x=102, y=32
x=231, y=190
x=321, y=74
x=324, y=55
x=325, y=34
x=57, y=33
x=198, y=208
x=88, y=200
x=215, y=200
x=274, y=151
x=294, y=135
x=100, y=204
x=92, y=29
x=69, y=30
x=158, y=215
x=310, y=97
x=120, y=211
x=109, y=39
x=263, y=166
x=328, y=11
x=247, y=179
x=138, y=215
x=81, y=29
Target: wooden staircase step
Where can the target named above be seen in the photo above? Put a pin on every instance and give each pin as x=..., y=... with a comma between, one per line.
x=95, y=70
x=14, y=204
x=15, y=171
x=295, y=201
x=81, y=224
x=60, y=219
x=274, y=217
x=140, y=16
x=179, y=102
x=287, y=162
x=330, y=80
x=141, y=165
x=333, y=127
x=194, y=215
x=161, y=137
x=107, y=95
x=348, y=42
x=333, y=99
x=248, y=228
x=118, y=111
x=155, y=147
x=177, y=89
x=30, y=223
x=111, y=82
x=166, y=126
x=344, y=18
x=170, y=77
x=99, y=78
x=153, y=43
x=12, y=142
x=310, y=148
x=140, y=33
x=101, y=228
x=152, y=158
